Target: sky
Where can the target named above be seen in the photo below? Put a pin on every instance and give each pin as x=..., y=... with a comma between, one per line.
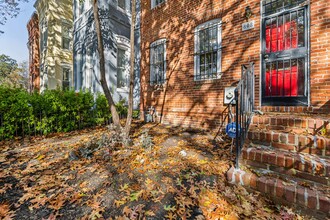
x=13, y=41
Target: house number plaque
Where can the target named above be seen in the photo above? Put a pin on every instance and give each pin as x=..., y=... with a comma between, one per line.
x=248, y=25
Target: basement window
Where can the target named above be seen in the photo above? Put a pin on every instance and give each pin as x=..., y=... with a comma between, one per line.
x=155, y=3
x=208, y=51
x=158, y=62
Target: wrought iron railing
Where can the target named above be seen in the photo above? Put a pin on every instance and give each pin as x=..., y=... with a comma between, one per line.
x=244, y=100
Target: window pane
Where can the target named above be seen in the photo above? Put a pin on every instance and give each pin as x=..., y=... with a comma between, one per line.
x=301, y=28
x=301, y=77
x=294, y=30
x=287, y=32
x=121, y=4
x=268, y=35
x=65, y=43
x=121, y=67
x=268, y=85
x=201, y=41
x=274, y=35
x=287, y=77
x=66, y=78
x=214, y=62
x=280, y=34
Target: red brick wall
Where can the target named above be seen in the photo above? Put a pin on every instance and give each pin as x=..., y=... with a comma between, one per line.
x=34, y=55
x=182, y=100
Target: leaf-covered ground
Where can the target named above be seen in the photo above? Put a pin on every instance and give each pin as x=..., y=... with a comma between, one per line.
x=182, y=176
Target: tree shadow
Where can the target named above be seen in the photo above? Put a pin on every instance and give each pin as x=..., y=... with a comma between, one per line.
x=192, y=102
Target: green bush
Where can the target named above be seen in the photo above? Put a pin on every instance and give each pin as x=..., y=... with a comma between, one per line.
x=22, y=113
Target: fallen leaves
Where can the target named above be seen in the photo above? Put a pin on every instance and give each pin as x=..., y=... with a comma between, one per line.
x=133, y=183
x=5, y=212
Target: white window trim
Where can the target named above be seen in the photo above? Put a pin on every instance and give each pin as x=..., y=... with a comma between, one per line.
x=153, y=44
x=196, y=58
x=153, y=3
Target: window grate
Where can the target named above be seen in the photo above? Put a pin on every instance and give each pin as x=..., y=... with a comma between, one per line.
x=157, y=62
x=273, y=6
x=285, y=78
x=207, y=52
x=285, y=31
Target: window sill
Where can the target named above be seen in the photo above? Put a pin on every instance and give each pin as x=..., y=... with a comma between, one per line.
x=122, y=90
x=208, y=80
x=125, y=11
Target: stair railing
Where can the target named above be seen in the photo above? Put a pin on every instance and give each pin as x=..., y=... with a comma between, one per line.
x=244, y=99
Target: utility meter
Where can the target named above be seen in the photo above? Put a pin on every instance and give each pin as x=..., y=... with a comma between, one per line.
x=229, y=95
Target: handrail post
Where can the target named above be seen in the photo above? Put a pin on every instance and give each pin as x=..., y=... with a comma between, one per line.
x=237, y=130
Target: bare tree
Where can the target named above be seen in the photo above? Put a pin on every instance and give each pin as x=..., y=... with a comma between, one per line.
x=9, y=9
x=103, y=81
x=131, y=74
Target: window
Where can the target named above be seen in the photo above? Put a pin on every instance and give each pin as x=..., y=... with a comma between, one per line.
x=285, y=52
x=66, y=38
x=122, y=64
x=122, y=4
x=154, y=3
x=208, y=51
x=44, y=36
x=158, y=62
x=66, y=78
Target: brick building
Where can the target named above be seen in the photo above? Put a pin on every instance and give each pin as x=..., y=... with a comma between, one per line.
x=34, y=56
x=192, y=50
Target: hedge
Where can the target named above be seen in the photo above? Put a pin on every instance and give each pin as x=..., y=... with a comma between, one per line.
x=24, y=114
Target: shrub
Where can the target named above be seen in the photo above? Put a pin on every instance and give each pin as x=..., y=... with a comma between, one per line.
x=22, y=113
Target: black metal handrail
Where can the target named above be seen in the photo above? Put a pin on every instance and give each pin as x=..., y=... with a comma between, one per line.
x=244, y=98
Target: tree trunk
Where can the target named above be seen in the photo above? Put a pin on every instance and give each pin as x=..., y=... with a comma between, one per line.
x=131, y=75
x=104, y=84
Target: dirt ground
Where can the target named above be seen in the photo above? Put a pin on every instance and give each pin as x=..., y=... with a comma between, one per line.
x=181, y=175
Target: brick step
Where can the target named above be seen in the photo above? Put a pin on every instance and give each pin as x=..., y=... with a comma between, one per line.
x=301, y=124
x=304, y=166
x=309, y=144
x=315, y=201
